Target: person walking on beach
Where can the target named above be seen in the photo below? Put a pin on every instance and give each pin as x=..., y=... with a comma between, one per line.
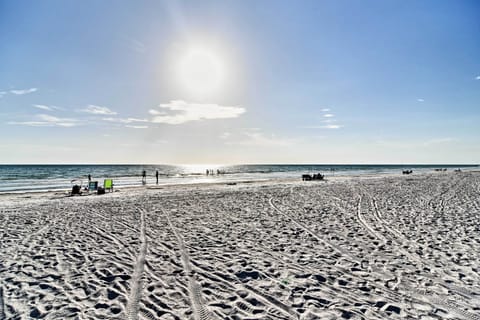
x=89, y=178
x=144, y=177
x=156, y=176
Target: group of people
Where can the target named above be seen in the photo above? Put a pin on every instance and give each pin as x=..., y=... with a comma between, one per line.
x=144, y=177
x=315, y=176
x=212, y=172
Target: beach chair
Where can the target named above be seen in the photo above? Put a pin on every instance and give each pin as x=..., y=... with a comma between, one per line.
x=108, y=184
x=92, y=185
x=76, y=187
x=76, y=190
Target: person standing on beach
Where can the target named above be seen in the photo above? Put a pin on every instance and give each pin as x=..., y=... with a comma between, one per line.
x=156, y=175
x=89, y=177
x=144, y=177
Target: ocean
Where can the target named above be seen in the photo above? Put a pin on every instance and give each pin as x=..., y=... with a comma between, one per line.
x=31, y=178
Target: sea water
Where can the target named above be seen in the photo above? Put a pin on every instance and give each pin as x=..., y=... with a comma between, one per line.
x=30, y=178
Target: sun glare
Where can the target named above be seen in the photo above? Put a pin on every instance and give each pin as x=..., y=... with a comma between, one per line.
x=200, y=71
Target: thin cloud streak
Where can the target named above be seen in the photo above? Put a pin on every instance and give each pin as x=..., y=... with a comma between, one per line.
x=328, y=126
x=127, y=120
x=46, y=108
x=93, y=109
x=45, y=120
x=328, y=120
x=23, y=91
x=179, y=111
x=136, y=127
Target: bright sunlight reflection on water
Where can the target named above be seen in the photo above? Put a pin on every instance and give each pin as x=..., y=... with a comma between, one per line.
x=199, y=168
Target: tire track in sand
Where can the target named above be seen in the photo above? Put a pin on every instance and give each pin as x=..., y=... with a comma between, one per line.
x=412, y=294
x=413, y=256
x=366, y=225
x=195, y=292
x=2, y=305
x=337, y=249
x=449, y=306
x=136, y=281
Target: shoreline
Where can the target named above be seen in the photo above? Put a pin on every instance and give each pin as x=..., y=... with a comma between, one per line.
x=65, y=193
x=28, y=180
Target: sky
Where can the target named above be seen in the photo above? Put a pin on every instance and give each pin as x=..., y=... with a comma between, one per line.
x=230, y=82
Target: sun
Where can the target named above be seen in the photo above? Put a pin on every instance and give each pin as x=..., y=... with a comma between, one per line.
x=201, y=71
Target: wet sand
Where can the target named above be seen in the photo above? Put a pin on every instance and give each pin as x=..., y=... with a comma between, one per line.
x=398, y=247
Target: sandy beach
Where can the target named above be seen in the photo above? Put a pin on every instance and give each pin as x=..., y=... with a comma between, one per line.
x=397, y=247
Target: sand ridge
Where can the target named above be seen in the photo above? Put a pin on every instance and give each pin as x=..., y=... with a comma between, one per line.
x=360, y=248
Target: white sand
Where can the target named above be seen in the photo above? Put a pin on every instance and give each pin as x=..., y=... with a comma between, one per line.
x=363, y=248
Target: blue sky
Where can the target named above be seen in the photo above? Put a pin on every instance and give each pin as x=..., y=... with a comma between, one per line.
x=239, y=82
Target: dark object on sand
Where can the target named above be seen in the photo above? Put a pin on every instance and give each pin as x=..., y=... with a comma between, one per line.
x=316, y=176
x=457, y=170
x=100, y=190
x=407, y=171
x=76, y=189
x=306, y=177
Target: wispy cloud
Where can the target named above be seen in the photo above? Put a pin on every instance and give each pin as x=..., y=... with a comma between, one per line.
x=2, y=93
x=23, y=91
x=179, y=111
x=477, y=78
x=420, y=100
x=45, y=120
x=93, y=109
x=332, y=126
x=122, y=120
x=327, y=121
x=46, y=108
x=136, y=127
x=327, y=126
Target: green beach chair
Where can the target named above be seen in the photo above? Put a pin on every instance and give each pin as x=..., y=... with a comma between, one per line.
x=108, y=184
